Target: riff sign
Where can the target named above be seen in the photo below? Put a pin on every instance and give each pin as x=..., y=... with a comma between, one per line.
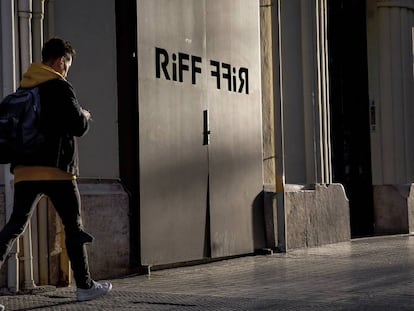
x=174, y=66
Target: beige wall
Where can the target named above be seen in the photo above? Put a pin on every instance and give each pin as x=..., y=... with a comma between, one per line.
x=304, y=92
x=269, y=156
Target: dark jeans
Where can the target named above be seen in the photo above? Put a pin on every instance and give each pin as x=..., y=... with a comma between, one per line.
x=66, y=200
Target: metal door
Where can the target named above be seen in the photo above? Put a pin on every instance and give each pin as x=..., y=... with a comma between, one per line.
x=173, y=160
x=198, y=71
x=235, y=156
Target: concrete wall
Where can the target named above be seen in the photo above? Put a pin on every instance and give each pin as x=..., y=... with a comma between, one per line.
x=106, y=216
x=314, y=217
x=394, y=209
x=317, y=217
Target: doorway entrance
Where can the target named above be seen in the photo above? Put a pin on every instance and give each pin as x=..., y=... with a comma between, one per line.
x=350, y=110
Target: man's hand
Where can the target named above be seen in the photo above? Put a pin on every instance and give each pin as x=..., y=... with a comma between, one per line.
x=87, y=114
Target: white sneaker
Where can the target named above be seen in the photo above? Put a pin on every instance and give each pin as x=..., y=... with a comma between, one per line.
x=97, y=290
x=1, y=308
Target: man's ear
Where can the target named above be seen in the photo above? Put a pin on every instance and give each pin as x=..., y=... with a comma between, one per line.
x=61, y=61
x=56, y=63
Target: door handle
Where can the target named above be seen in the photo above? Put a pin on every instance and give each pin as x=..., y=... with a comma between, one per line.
x=206, y=128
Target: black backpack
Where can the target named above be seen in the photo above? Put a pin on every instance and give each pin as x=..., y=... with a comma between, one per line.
x=19, y=124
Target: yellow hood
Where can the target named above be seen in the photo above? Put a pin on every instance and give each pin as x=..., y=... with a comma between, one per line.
x=37, y=74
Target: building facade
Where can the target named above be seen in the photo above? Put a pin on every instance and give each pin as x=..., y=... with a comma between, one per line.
x=221, y=128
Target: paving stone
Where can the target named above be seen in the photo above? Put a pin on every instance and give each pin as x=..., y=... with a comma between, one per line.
x=365, y=274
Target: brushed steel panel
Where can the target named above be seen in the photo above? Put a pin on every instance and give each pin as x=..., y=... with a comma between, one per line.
x=173, y=160
x=236, y=179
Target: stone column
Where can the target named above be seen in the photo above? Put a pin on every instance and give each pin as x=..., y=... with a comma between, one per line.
x=308, y=210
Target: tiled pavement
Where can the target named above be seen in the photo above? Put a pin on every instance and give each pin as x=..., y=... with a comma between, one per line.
x=365, y=274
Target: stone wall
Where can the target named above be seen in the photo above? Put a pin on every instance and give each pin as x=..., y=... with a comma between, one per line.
x=313, y=217
x=317, y=217
x=105, y=210
x=394, y=209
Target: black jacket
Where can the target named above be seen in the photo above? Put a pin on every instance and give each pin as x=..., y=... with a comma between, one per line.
x=61, y=121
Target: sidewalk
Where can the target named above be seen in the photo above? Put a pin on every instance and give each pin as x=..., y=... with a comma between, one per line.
x=365, y=274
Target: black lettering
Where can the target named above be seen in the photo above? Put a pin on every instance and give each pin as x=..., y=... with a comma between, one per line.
x=216, y=72
x=227, y=75
x=161, y=64
x=174, y=67
x=194, y=68
x=234, y=79
x=244, y=79
x=181, y=65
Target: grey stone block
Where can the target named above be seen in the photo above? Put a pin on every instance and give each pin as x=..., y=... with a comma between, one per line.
x=394, y=209
x=317, y=217
x=105, y=209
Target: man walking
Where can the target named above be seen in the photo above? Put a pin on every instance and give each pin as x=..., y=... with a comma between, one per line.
x=51, y=170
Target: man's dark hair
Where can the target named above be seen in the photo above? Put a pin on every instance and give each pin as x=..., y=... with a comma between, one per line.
x=56, y=48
